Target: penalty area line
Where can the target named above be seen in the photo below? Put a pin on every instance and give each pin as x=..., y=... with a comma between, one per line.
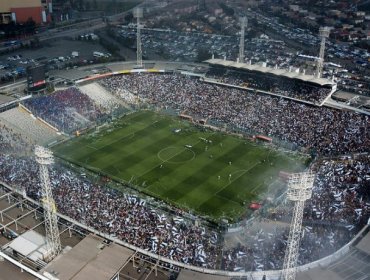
x=230, y=181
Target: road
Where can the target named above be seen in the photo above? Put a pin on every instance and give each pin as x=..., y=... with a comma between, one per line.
x=84, y=27
x=79, y=28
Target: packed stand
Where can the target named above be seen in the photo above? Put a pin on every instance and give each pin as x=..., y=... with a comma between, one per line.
x=264, y=250
x=318, y=129
x=124, y=216
x=292, y=88
x=342, y=191
x=68, y=110
x=136, y=221
x=338, y=209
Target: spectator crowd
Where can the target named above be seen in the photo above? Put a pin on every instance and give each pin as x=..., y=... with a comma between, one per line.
x=318, y=129
x=342, y=191
x=292, y=88
x=68, y=110
x=265, y=250
x=339, y=207
x=124, y=216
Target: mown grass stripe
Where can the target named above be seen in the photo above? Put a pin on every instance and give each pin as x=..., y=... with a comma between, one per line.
x=130, y=147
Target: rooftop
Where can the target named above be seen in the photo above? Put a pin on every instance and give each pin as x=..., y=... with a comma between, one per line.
x=31, y=244
x=265, y=69
x=89, y=259
x=364, y=244
x=10, y=271
x=191, y=275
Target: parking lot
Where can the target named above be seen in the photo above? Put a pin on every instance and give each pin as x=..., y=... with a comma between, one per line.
x=165, y=44
x=56, y=54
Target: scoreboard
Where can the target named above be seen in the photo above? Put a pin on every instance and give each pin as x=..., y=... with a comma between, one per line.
x=36, y=77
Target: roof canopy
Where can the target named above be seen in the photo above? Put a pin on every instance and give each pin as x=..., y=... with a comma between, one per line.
x=274, y=71
x=89, y=259
x=30, y=244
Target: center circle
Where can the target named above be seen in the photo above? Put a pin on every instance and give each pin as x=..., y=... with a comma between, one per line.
x=169, y=154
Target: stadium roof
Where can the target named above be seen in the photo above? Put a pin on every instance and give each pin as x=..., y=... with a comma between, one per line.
x=364, y=244
x=277, y=71
x=352, y=265
x=89, y=259
x=71, y=74
x=30, y=244
x=317, y=273
x=186, y=274
x=10, y=271
x=225, y=62
x=265, y=69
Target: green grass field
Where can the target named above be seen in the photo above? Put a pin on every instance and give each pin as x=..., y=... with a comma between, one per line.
x=217, y=177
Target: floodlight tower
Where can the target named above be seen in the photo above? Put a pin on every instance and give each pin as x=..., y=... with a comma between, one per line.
x=138, y=13
x=299, y=190
x=44, y=157
x=324, y=33
x=243, y=23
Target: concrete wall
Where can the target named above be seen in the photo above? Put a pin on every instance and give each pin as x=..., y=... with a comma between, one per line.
x=23, y=14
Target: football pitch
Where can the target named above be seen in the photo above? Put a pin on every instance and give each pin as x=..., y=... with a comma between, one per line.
x=208, y=172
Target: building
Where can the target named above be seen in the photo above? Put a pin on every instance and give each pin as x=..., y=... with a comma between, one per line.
x=92, y=258
x=20, y=11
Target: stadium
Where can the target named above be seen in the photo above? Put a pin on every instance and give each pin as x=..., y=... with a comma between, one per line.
x=183, y=170
x=168, y=170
